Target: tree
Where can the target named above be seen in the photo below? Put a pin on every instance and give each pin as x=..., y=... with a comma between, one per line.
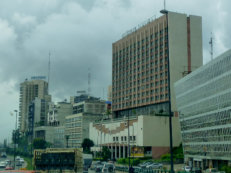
x=87, y=144
x=106, y=154
x=39, y=143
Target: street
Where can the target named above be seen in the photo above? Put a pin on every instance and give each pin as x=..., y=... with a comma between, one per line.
x=11, y=158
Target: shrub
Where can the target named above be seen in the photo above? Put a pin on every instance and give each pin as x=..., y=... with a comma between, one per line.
x=225, y=168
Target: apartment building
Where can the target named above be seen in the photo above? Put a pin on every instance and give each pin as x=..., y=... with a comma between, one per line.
x=29, y=90
x=140, y=62
x=204, y=103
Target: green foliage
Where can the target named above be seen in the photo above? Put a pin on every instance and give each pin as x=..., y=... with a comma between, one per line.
x=125, y=161
x=106, y=154
x=87, y=144
x=39, y=143
x=226, y=168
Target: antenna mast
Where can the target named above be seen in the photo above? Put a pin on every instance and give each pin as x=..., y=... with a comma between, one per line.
x=211, y=44
x=49, y=68
x=89, y=81
x=164, y=5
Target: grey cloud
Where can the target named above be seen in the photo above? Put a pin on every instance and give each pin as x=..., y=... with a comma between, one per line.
x=79, y=34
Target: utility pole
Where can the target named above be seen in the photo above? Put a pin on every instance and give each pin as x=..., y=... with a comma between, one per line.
x=15, y=138
x=165, y=12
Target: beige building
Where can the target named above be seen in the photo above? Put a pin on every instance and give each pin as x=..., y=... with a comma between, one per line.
x=77, y=127
x=140, y=63
x=90, y=106
x=58, y=112
x=147, y=135
x=29, y=90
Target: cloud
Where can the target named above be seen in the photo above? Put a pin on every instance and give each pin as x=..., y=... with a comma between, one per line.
x=79, y=34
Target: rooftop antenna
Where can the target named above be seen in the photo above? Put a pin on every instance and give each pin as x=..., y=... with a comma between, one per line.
x=89, y=81
x=211, y=45
x=164, y=5
x=49, y=68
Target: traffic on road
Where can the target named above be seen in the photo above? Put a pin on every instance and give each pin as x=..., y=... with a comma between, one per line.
x=7, y=163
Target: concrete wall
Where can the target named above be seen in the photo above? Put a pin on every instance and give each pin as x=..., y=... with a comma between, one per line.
x=156, y=131
x=177, y=49
x=196, y=41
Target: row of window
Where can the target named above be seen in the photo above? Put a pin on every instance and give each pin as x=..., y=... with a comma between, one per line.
x=117, y=104
x=123, y=138
x=139, y=94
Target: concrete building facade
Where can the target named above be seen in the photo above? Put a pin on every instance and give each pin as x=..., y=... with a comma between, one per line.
x=204, y=103
x=147, y=135
x=90, y=106
x=58, y=112
x=77, y=127
x=29, y=90
x=140, y=63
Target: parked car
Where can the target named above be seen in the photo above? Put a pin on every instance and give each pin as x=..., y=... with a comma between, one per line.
x=21, y=160
x=3, y=155
x=145, y=164
x=187, y=168
x=155, y=166
x=9, y=168
x=18, y=163
x=17, y=158
x=94, y=164
x=85, y=169
x=2, y=164
x=99, y=168
x=108, y=167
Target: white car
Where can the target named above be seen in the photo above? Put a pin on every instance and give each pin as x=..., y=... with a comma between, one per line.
x=187, y=168
x=2, y=164
x=21, y=160
x=108, y=167
x=154, y=166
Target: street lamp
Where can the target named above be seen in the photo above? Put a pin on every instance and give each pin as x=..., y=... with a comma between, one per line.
x=165, y=12
x=129, y=150
x=15, y=133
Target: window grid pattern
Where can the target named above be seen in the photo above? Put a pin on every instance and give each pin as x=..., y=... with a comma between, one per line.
x=203, y=100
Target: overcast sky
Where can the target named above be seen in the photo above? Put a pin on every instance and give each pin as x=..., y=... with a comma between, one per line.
x=79, y=34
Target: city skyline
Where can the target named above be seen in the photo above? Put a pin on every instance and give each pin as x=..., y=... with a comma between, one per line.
x=29, y=36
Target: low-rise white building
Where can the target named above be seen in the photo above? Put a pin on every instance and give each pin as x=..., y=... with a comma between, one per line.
x=149, y=135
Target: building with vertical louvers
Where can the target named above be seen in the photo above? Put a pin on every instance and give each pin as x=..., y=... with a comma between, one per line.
x=204, y=102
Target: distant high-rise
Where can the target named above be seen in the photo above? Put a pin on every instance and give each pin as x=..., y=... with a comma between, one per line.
x=140, y=62
x=29, y=90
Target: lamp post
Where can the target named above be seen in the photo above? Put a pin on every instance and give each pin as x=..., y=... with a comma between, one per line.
x=165, y=12
x=129, y=150
x=15, y=133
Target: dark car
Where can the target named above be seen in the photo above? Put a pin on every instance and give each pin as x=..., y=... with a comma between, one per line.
x=99, y=168
x=85, y=169
x=108, y=167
